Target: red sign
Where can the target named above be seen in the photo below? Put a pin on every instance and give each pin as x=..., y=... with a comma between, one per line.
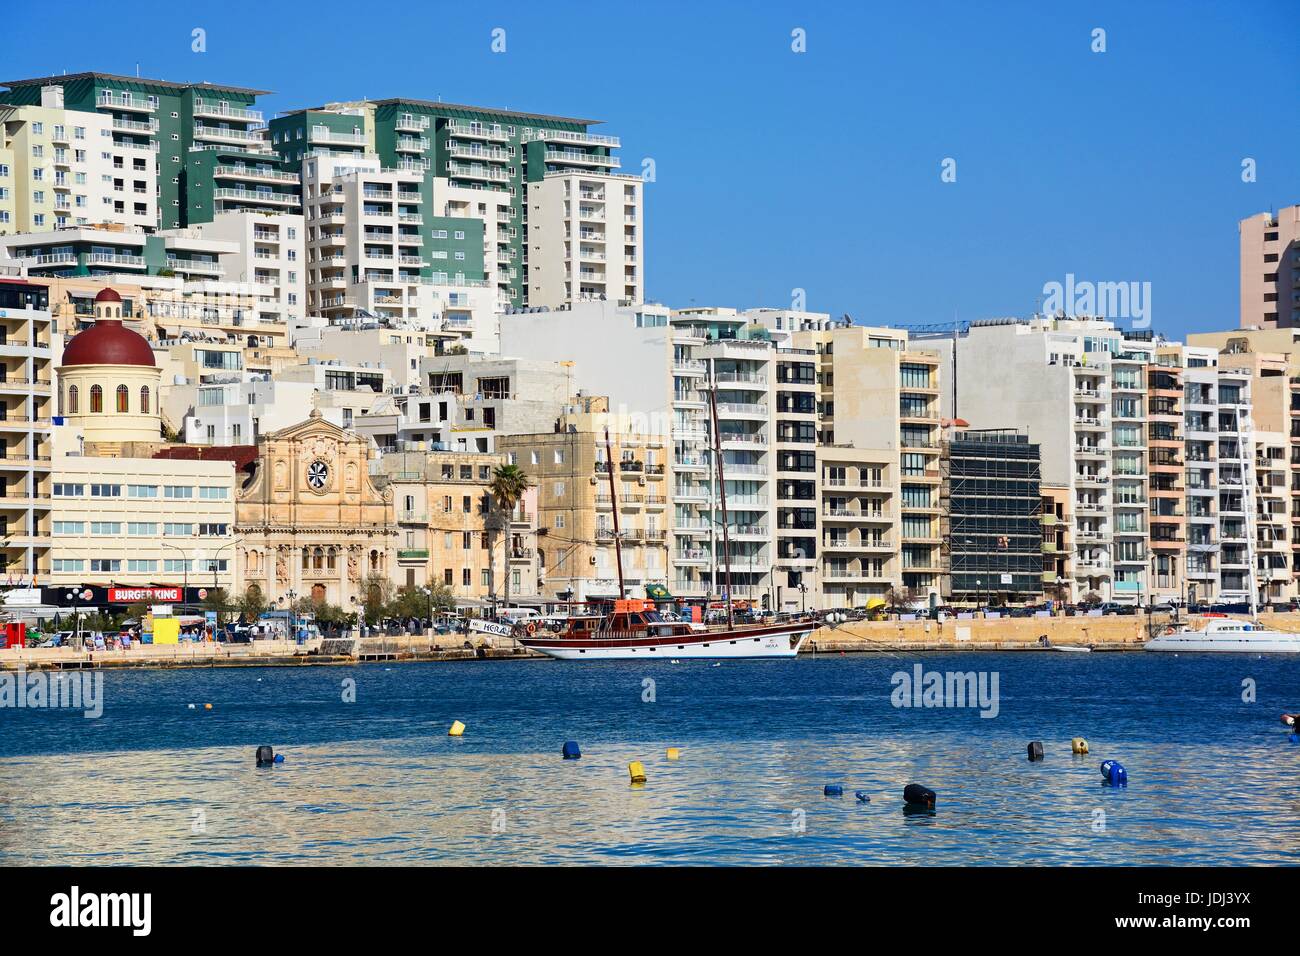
x=134, y=595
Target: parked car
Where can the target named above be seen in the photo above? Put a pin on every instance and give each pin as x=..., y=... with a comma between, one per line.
x=1114, y=607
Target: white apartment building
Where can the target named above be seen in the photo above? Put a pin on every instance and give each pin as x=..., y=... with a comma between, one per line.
x=366, y=249
x=60, y=168
x=26, y=406
x=269, y=259
x=142, y=521
x=1059, y=388
x=467, y=401
x=585, y=237
x=234, y=410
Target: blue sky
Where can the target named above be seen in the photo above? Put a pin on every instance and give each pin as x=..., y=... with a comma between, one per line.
x=820, y=170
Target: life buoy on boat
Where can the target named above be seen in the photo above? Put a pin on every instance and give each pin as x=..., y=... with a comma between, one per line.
x=1171, y=630
x=531, y=628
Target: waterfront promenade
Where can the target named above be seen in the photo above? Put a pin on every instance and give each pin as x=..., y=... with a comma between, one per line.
x=1111, y=633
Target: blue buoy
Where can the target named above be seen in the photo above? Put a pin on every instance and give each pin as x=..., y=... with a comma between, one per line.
x=571, y=750
x=279, y=758
x=833, y=790
x=862, y=795
x=1114, y=773
x=1294, y=738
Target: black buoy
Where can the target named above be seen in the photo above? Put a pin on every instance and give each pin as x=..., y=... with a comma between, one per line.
x=919, y=796
x=1035, y=750
x=265, y=756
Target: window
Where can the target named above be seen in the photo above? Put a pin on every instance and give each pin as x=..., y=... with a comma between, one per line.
x=142, y=491
x=96, y=398
x=213, y=492
x=69, y=527
x=62, y=490
x=105, y=564
x=68, y=564
x=178, y=529
x=178, y=491
x=123, y=398
x=176, y=564
x=106, y=491
x=142, y=529
x=72, y=399
x=141, y=565
x=144, y=399
x=213, y=529
x=106, y=527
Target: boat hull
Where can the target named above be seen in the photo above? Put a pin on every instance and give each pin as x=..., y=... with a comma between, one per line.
x=1249, y=642
x=749, y=643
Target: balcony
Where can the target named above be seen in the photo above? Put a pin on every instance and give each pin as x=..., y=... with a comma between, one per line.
x=223, y=134
x=125, y=101
x=207, y=108
x=323, y=134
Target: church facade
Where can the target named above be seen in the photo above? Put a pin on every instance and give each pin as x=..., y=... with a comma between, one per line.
x=310, y=522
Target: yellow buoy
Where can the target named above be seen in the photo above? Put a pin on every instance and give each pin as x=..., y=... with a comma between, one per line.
x=207, y=706
x=1079, y=746
x=457, y=729
x=636, y=771
x=674, y=753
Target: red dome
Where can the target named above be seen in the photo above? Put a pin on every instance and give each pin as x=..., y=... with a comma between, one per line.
x=108, y=342
x=107, y=295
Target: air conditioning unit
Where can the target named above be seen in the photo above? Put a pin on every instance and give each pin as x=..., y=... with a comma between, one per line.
x=641, y=480
x=592, y=559
x=593, y=479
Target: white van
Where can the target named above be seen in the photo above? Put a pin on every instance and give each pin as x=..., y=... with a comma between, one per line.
x=518, y=615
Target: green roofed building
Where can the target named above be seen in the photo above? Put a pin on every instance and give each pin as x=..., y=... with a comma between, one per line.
x=208, y=140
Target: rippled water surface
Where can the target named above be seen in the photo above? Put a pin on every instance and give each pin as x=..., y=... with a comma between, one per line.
x=1213, y=779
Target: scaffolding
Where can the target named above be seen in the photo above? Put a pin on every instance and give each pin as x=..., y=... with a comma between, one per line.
x=991, y=518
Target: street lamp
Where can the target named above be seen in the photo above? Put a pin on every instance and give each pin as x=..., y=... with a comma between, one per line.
x=185, y=571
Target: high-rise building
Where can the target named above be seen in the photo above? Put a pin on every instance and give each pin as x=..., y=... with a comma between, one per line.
x=459, y=152
x=1270, y=269
x=62, y=167
x=206, y=139
x=26, y=409
x=992, y=518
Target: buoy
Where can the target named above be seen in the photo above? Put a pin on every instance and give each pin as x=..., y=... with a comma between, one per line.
x=1035, y=750
x=1114, y=773
x=1078, y=745
x=833, y=790
x=674, y=753
x=279, y=758
x=265, y=756
x=457, y=729
x=919, y=796
x=636, y=771
x=192, y=707
x=571, y=750
x=1294, y=738
x=862, y=795
x=207, y=706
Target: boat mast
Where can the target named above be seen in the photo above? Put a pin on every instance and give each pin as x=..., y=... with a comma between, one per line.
x=722, y=496
x=613, y=499
x=1245, y=452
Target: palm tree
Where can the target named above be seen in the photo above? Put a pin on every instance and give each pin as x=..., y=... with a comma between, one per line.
x=507, y=487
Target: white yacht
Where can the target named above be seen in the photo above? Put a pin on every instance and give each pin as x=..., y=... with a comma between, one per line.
x=1224, y=634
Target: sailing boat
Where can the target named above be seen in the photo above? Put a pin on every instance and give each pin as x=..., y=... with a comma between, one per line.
x=634, y=629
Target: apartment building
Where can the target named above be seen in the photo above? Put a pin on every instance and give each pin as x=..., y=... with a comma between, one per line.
x=190, y=129
x=111, y=251
x=1270, y=269
x=1062, y=394
x=376, y=244
x=1167, y=482
x=26, y=409
x=61, y=168
x=448, y=532
x=269, y=259
x=992, y=518
x=880, y=390
x=1057, y=546
x=142, y=521
x=602, y=505
x=466, y=157
x=585, y=238
x=396, y=345
x=858, y=527
x=233, y=409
